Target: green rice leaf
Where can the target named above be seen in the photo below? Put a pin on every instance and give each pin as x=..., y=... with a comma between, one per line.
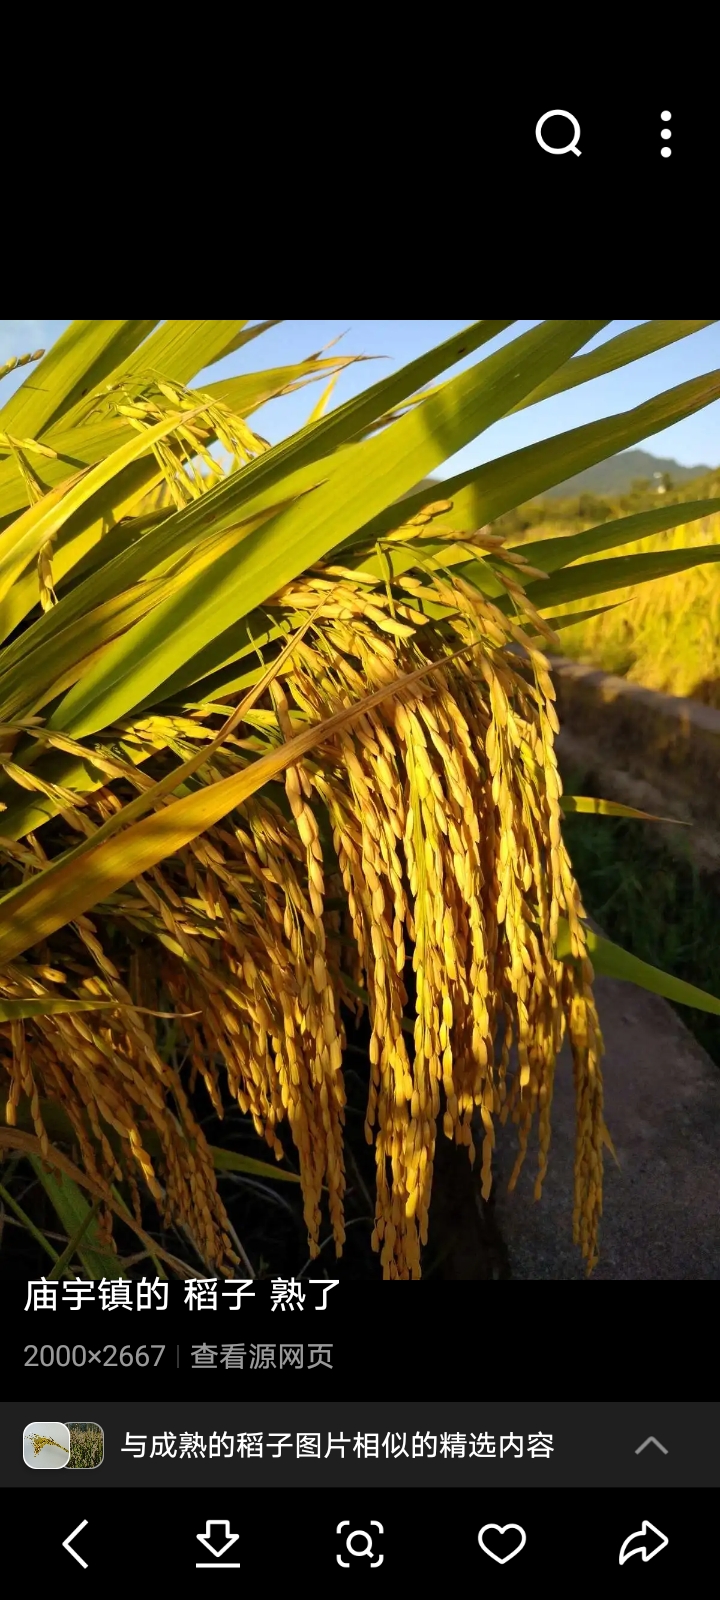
x=613, y=962
x=617, y=572
x=232, y=1161
x=551, y=554
x=483, y=493
x=612, y=355
x=68, y=1200
x=79, y=360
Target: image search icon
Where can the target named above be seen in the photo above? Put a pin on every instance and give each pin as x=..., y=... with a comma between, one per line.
x=559, y=149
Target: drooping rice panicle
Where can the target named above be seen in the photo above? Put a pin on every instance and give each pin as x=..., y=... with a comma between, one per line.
x=436, y=816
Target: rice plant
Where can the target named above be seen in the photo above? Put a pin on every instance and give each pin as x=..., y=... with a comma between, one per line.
x=86, y=1445
x=40, y=1440
x=277, y=747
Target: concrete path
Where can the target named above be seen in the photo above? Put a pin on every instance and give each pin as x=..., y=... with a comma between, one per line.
x=661, y=1215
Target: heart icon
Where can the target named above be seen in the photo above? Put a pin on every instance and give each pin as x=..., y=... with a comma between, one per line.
x=510, y=1527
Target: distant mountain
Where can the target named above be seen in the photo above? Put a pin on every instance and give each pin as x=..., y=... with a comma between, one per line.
x=612, y=477
x=617, y=475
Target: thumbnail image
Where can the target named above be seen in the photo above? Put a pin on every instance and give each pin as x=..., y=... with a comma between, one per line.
x=46, y=1446
x=87, y=1444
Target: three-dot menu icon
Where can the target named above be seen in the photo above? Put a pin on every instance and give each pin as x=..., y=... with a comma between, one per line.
x=666, y=134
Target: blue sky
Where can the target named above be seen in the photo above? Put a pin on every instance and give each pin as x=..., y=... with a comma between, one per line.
x=692, y=442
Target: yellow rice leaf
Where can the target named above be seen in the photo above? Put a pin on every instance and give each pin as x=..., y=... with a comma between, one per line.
x=612, y=808
x=52, y=1005
x=321, y=404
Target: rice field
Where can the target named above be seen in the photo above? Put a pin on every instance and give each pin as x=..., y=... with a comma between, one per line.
x=86, y=1444
x=665, y=634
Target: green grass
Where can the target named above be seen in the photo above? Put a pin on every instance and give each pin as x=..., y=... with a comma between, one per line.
x=656, y=904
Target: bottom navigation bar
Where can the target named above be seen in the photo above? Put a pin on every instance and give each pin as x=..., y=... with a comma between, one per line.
x=392, y=1538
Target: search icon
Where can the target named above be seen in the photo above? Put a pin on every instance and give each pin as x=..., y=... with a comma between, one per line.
x=366, y=1548
x=559, y=150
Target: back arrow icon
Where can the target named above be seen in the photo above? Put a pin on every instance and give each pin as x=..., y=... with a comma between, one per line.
x=205, y=1538
x=640, y=1544
x=67, y=1543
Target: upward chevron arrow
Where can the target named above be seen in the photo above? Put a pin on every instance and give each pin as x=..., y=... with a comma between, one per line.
x=651, y=1440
